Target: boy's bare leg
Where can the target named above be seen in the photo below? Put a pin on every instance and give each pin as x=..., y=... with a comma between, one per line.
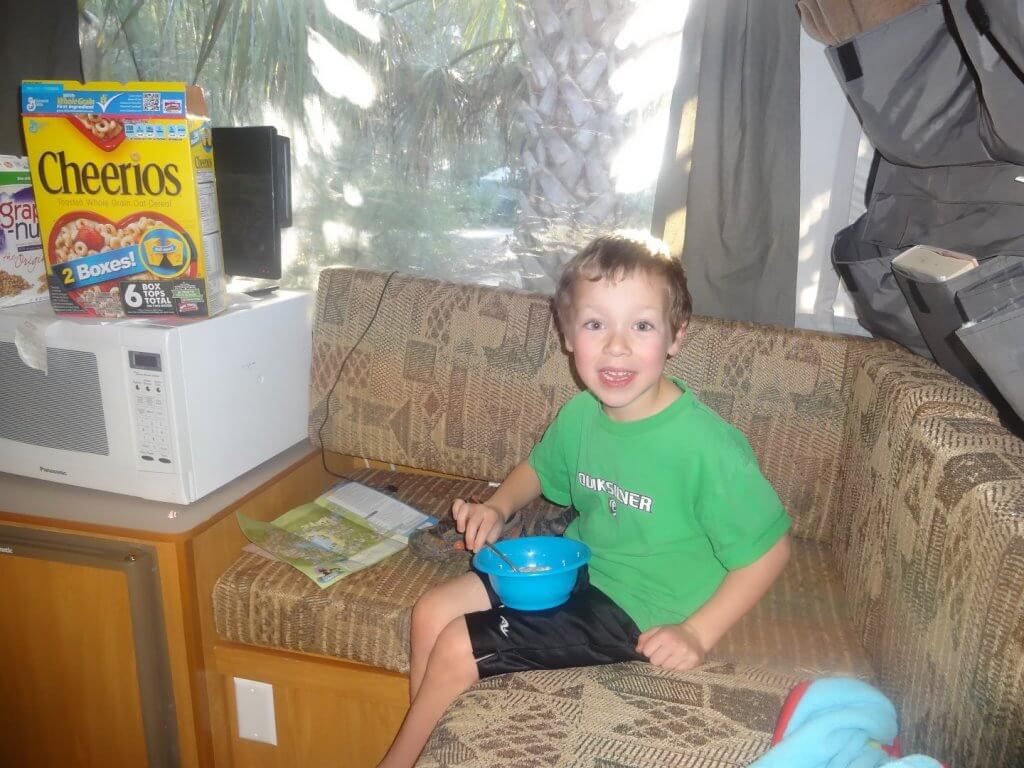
x=433, y=612
x=450, y=670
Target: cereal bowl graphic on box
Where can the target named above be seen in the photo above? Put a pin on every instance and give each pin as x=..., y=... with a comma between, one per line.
x=124, y=180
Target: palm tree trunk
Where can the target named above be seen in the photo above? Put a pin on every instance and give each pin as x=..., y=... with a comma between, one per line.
x=570, y=122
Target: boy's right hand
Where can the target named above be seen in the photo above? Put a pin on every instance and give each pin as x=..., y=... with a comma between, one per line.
x=480, y=522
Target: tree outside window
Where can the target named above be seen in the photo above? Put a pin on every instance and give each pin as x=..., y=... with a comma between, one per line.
x=469, y=140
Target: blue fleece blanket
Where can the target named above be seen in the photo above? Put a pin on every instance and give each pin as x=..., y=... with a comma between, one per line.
x=840, y=723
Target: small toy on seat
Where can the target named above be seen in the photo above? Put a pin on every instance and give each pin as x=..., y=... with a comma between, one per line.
x=838, y=723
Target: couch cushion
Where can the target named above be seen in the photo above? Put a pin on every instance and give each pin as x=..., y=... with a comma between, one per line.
x=801, y=623
x=364, y=617
x=623, y=715
x=464, y=379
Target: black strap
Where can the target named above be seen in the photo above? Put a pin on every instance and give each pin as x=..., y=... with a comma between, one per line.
x=849, y=61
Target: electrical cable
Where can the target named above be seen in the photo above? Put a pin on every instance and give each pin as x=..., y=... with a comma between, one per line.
x=337, y=380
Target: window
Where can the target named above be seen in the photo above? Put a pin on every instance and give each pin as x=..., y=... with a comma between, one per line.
x=471, y=140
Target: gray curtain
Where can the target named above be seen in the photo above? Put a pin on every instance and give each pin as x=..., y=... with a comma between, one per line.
x=728, y=200
x=38, y=40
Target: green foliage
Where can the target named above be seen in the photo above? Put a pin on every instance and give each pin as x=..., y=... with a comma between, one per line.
x=447, y=79
x=449, y=94
x=438, y=82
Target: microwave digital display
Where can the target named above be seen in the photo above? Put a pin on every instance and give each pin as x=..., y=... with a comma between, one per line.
x=146, y=361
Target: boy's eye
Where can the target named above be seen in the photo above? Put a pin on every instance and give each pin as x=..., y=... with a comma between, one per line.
x=643, y=325
x=592, y=325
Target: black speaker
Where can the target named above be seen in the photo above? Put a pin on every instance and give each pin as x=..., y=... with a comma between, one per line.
x=253, y=167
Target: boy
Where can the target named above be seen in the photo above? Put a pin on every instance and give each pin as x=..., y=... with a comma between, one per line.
x=686, y=533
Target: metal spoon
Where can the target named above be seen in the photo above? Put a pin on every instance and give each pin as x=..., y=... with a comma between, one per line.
x=518, y=568
x=501, y=554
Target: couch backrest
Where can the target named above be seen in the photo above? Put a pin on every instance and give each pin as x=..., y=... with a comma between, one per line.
x=464, y=379
x=930, y=545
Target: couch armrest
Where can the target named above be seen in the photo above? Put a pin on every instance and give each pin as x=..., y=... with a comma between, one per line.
x=929, y=541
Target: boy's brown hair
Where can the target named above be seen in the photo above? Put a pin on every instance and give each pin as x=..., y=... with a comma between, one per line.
x=617, y=256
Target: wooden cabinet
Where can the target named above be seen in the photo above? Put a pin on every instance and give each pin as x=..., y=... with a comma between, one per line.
x=93, y=652
x=108, y=652
x=69, y=666
x=102, y=659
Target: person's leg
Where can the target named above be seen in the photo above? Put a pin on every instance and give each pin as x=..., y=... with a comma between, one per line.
x=450, y=670
x=588, y=629
x=434, y=611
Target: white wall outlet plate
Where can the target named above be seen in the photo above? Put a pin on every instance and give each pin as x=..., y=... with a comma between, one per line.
x=254, y=703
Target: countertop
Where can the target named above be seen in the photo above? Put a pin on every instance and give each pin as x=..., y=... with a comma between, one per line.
x=30, y=497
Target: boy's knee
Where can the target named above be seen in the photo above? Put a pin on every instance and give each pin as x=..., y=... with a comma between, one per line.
x=453, y=652
x=428, y=615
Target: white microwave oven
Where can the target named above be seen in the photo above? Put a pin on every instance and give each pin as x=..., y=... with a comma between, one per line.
x=165, y=411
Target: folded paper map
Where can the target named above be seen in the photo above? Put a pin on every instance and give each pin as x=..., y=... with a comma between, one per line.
x=349, y=528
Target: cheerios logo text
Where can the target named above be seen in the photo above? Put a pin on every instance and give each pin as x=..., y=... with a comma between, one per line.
x=58, y=175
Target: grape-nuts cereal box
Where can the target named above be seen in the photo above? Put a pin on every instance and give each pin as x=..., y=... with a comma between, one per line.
x=124, y=182
x=22, y=277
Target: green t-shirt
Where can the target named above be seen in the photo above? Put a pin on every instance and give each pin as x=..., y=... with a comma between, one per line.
x=668, y=504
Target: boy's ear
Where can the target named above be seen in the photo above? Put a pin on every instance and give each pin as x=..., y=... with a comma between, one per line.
x=677, y=342
x=565, y=333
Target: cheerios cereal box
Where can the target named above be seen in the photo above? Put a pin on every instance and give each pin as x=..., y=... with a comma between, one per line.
x=22, y=277
x=124, y=183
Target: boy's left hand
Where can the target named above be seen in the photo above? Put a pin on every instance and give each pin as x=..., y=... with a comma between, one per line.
x=672, y=646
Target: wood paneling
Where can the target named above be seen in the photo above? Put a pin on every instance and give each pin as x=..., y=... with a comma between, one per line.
x=69, y=692
x=183, y=640
x=181, y=626
x=209, y=554
x=327, y=711
x=303, y=670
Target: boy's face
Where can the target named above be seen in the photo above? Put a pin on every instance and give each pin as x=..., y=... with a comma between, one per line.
x=620, y=338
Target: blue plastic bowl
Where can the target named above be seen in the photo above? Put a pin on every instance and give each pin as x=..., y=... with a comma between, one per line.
x=540, y=589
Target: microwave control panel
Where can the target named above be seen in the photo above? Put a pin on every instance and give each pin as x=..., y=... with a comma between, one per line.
x=148, y=391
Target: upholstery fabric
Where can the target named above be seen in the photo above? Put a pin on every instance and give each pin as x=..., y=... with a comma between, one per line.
x=463, y=380
x=931, y=548
x=618, y=716
x=802, y=624
x=364, y=617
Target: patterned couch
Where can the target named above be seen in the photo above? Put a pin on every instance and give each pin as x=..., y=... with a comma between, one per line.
x=906, y=492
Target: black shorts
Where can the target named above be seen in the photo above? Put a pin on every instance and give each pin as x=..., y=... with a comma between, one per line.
x=588, y=629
